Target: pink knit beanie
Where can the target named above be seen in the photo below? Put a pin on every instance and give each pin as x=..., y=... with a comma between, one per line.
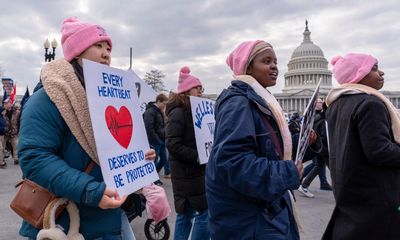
x=353, y=67
x=187, y=81
x=78, y=36
x=239, y=58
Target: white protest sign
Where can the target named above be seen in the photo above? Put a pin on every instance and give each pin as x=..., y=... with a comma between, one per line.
x=306, y=125
x=144, y=92
x=119, y=132
x=204, y=123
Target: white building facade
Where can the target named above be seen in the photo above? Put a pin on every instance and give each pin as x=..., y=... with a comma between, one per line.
x=306, y=67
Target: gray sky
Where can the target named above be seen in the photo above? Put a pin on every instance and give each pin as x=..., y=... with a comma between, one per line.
x=167, y=35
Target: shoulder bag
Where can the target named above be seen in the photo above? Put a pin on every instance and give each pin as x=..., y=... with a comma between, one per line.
x=31, y=201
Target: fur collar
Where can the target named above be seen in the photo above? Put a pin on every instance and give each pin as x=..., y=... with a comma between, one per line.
x=65, y=90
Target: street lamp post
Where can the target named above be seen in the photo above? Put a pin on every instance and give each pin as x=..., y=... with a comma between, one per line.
x=48, y=56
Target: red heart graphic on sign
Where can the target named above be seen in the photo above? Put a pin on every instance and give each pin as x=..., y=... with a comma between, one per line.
x=120, y=124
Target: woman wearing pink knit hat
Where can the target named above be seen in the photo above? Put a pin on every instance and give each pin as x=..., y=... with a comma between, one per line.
x=57, y=148
x=250, y=171
x=364, y=152
x=187, y=174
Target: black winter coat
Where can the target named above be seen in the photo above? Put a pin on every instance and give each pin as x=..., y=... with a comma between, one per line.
x=154, y=123
x=320, y=129
x=365, y=168
x=187, y=174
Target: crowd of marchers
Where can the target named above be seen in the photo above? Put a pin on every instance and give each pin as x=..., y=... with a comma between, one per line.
x=245, y=191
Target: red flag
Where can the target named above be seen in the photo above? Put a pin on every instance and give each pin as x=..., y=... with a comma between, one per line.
x=14, y=92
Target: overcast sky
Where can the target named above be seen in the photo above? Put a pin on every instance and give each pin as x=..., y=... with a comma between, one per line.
x=168, y=34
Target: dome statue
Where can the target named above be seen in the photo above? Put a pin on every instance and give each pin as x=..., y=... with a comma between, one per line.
x=306, y=67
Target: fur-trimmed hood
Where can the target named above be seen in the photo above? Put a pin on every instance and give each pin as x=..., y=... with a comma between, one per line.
x=66, y=91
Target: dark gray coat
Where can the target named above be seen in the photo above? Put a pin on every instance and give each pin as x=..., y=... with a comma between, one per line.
x=365, y=168
x=154, y=123
x=186, y=172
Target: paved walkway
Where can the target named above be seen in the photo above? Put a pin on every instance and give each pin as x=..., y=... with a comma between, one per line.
x=314, y=212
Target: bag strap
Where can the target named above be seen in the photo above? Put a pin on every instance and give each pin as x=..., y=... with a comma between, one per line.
x=89, y=167
x=274, y=138
x=19, y=183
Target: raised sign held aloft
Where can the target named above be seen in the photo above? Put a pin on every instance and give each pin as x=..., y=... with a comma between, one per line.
x=204, y=123
x=307, y=125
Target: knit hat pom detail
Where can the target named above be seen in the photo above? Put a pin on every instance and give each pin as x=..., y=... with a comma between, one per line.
x=335, y=59
x=185, y=70
x=70, y=20
x=186, y=81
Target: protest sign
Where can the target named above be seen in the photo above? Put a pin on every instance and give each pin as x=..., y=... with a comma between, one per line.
x=9, y=89
x=144, y=92
x=306, y=125
x=204, y=123
x=119, y=132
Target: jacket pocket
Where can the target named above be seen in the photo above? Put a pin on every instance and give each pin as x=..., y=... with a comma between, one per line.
x=276, y=227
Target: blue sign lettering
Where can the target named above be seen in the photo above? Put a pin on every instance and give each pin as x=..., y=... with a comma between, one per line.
x=204, y=108
x=139, y=172
x=118, y=181
x=112, y=79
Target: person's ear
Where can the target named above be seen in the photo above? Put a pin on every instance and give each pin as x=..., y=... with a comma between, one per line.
x=249, y=70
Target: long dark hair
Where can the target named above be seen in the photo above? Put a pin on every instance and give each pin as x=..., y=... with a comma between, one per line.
x=78, y=71
x=181, y=99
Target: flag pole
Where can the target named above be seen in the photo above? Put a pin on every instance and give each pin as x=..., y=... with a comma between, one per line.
x=130, y=59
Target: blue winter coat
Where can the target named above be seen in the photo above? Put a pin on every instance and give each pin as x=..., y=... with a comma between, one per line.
x=50, y=155
x=2, y=122
x=246, y=183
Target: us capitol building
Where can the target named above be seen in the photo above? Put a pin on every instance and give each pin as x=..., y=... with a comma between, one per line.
x=306, y=66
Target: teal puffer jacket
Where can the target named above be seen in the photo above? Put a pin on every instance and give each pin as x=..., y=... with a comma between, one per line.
x=51, y=156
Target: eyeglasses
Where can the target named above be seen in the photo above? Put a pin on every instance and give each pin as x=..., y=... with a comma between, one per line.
x=200, y=89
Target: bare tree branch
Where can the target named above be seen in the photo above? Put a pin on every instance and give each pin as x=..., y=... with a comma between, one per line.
x=155, y=79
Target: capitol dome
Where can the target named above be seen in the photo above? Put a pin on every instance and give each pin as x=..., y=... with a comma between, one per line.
x=307, y=48
x=306, y=67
